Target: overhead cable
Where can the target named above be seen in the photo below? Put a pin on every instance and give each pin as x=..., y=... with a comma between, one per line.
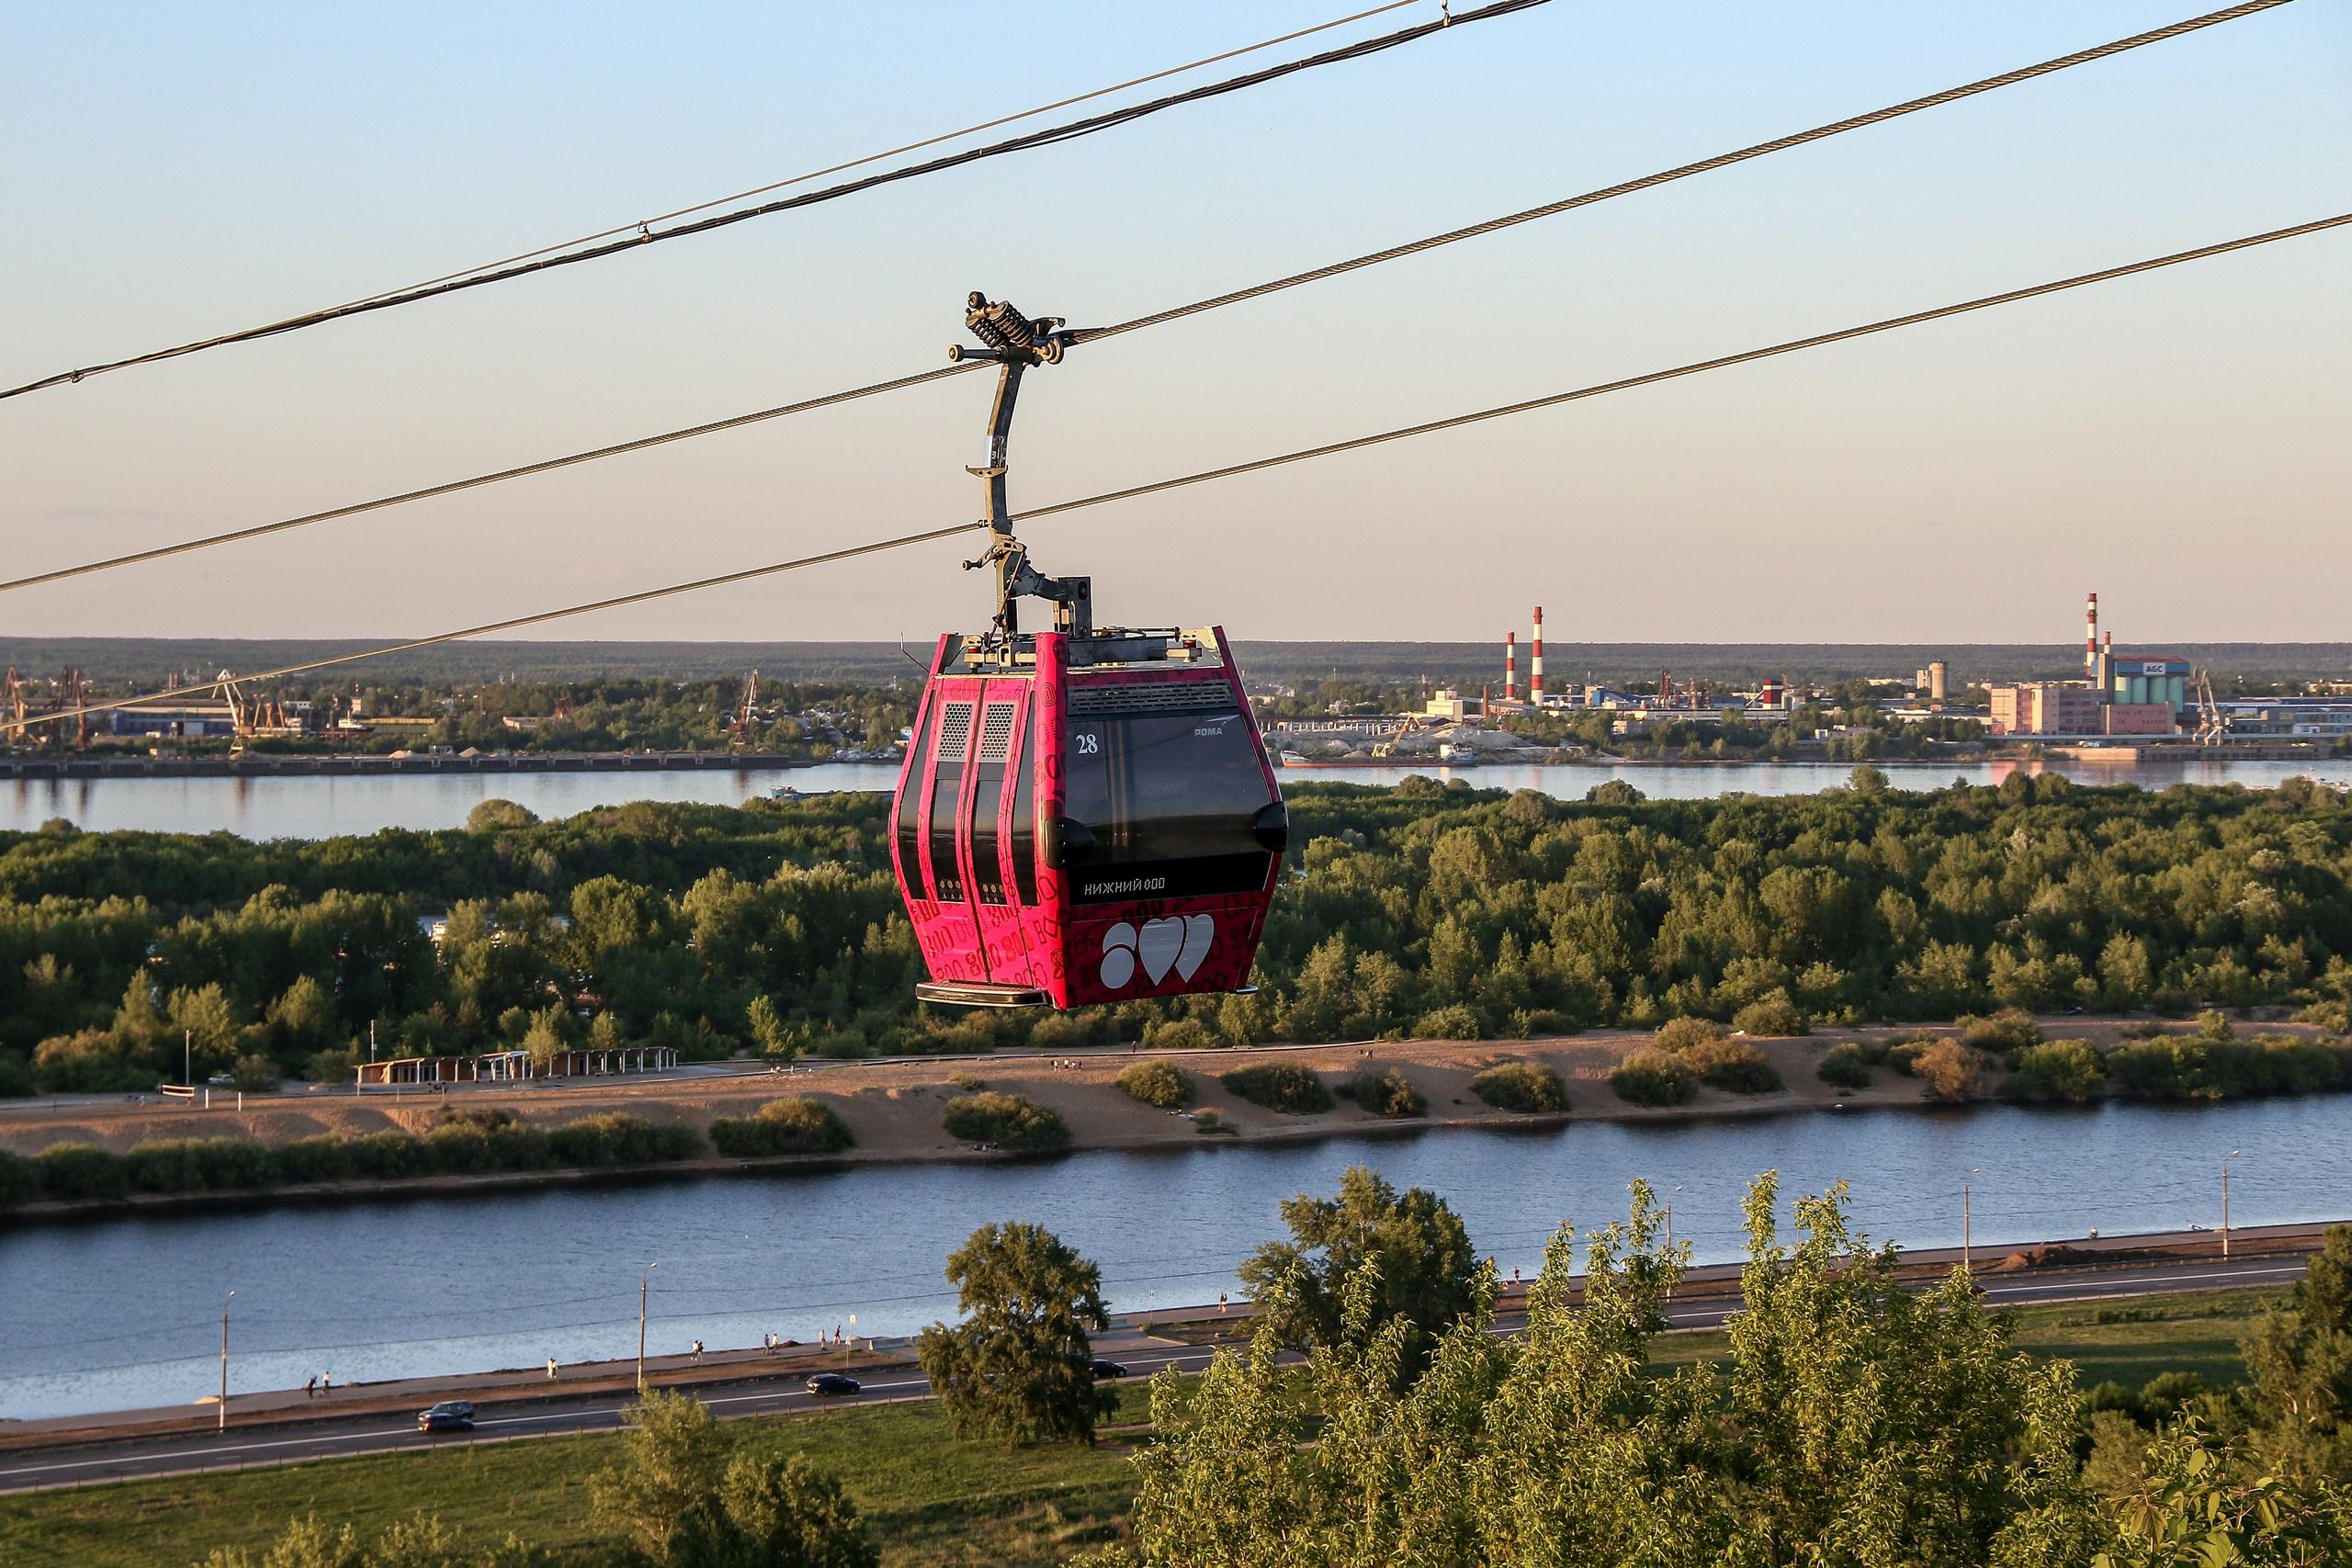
x=1394, y=253
x=1504, y=410
x=638, y=236
x=897, y=151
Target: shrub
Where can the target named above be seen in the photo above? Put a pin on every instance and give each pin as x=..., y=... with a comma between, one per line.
x=199, y=1165
x=1060, y=1031
x=1209, y=1122
x=1006, y=1120
x=1279, y=1086
x=1388, y=1093
x=334, y=1066
x=2064, y=1069
x=255, y=1074
x=1162, y=1084
x=1903, y=1055
x=459, y=1149
x=1773, y=1014
x=1181, y=1034
x=2171, y=1067
x=389, y=1156
x=1845, y=1066
x=19, y=1179
x=92, y=1062
x=1951, y=1070
x=1654, y=1077
x=1680, y=1034
x=969, y=1083
x=796, y=1127
x=322, y=1158
x=16, y=1076
x=1521, y=1086
x=1733, y=1064
x=1452, y=1022
x=80, y=1170
x=2003, y=1033
x=618, y=1138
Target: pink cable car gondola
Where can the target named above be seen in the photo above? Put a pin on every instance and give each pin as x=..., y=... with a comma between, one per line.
x=1084, y=815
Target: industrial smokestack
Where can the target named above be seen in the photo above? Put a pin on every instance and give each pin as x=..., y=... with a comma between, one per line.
x=2090, y=639
x=2106, y=676
x=1511, y=667
x=1536, y=662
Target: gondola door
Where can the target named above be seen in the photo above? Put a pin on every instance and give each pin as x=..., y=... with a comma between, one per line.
x=950, y=936
x=996, y=906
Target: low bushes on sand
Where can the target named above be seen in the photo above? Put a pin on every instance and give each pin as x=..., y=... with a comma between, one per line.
x=1774, y=1014
x=618, y=1138
x=1654, y=1077
x=1007, y=1121
x=466, y=1143
x=1680, y=1034
x=1279, y=1086
x=799, y=1125
x=1161, y=1084
x=1845, y=1066
x=1387, y=1093
x=1733, y=1064
x=1521, y=1086
x=1952, y=1071
x=2062, y=1071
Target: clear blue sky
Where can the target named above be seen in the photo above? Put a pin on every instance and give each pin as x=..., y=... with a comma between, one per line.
x=2176, y=442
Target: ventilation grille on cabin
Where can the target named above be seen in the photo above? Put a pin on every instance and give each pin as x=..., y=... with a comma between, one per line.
x=954, y=731
x=1157, y=696
x=996, y=733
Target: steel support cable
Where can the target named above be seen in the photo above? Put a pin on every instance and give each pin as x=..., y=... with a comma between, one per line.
x=1704, y=165
x=1693, y=369
x=1855, y=122
x=1231, y=470
x=897, y=151
x=638, y=238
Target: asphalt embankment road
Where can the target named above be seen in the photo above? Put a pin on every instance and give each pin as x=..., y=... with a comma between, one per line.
x=33, y=1469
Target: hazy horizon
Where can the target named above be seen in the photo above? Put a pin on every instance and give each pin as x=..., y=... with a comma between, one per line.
x=2174, y=442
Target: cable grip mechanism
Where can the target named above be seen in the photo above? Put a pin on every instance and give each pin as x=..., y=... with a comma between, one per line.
x=1016, y=341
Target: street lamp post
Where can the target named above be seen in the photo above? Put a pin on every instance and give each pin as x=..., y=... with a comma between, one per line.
x=1967, y=1257
x=222, y=1425
x=187, y=1060
x=643, y=1286
x=2233, y=1153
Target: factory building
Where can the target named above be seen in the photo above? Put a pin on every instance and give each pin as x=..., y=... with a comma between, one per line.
x=175, y=720
x=2139, y=695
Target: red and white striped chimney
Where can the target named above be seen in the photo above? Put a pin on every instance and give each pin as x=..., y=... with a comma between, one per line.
x=2090, y=639
x=1536, y=662
x=1511, y=667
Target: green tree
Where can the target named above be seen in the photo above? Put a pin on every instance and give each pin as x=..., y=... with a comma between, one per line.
x=786, y=1514
x=2300, y=1366
x=659, y=1494
x=2194, y=1509
x=1020, y=1364
x=1411, y=1244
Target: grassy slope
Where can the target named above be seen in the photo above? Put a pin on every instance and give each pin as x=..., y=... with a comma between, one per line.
x=929, y=1497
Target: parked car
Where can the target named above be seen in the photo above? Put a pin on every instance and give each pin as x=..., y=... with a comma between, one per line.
x=1103, y=1369
x=449, y=1416
x=828, y=1385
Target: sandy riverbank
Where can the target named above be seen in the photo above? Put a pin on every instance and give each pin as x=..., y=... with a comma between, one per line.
x=894, y=1107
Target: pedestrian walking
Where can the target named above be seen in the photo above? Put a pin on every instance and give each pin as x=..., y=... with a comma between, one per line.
x=550, y=1367
x=310, y=1389
x=1220, y=1300
x=697, y=1350
x=837, y=1334
x=326, y=1382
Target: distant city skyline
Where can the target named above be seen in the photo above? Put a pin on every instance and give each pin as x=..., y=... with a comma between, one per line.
x=2175, y=442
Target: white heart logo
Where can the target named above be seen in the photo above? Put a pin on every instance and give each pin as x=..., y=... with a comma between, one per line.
x=1161, y=942
x=1200, y=932
x=1118, y=955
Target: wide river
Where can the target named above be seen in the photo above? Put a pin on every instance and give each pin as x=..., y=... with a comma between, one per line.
x=315, y=807
x=126, y=1313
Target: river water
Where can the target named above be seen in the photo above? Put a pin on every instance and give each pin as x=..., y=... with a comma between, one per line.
x=126, y=1313
x=316, y=807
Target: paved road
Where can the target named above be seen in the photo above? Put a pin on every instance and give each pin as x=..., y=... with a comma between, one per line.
x=34, y=1470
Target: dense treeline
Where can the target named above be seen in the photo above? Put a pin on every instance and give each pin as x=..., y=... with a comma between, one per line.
x=1450, y=913
x=1849, y=1421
